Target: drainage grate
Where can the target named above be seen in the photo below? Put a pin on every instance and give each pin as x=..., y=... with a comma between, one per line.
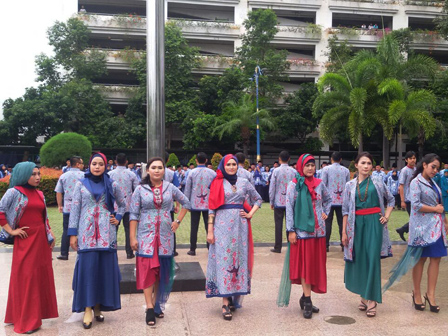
x=341, y=320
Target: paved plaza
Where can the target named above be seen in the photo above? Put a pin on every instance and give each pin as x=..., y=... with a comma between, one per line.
x=190, y=313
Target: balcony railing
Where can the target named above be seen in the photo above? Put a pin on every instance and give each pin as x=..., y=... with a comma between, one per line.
x=310, y=31
x=207, y=27
x=124, y=21
x=424, y=3
x=118, y=94
x=363, y=34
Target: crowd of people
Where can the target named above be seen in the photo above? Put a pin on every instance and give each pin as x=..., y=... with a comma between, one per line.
x=147, y=200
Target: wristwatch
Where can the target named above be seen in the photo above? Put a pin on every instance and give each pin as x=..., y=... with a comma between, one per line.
x=177, y=221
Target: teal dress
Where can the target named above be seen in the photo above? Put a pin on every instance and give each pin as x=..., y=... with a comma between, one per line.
x=363, y=274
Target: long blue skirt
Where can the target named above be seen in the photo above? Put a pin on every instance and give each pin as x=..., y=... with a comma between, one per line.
x=96, y=280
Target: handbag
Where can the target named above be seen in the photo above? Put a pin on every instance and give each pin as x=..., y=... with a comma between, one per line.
x=6, y=238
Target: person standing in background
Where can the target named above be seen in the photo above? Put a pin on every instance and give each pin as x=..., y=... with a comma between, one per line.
x=197, y=190
x=127, y=181
x=242, y=172
x=64, y=195
x=335, y=177
x=280, y=178
x=405, y=181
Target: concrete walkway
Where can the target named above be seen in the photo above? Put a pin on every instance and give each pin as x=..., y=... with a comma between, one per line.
x=190, y=313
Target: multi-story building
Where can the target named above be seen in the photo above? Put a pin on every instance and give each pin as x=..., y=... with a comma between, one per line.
x=216, y=26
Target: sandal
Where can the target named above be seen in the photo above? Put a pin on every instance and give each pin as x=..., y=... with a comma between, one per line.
x=362, y=306
x=150, y=317
x=227, y=315
x=159, y=315
x=371, y=312
x=433, y=309
x=302, y=305
x=231, y=304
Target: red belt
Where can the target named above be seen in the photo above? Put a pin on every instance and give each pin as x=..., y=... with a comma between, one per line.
x=368, y=211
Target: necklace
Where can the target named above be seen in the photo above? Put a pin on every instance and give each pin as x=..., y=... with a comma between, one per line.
x=234, y=188
x=359, y=191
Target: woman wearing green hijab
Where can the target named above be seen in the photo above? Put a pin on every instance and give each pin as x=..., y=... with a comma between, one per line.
x=23, y=215
x=307, y=205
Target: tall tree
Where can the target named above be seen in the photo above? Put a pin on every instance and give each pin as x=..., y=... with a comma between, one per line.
x=239, y=121
x=257, y=50
x=65, y=99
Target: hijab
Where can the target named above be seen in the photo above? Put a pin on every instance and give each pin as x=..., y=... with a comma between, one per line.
x=216, y=198
x=99, y=185
x=21, y=174
x=305, y=218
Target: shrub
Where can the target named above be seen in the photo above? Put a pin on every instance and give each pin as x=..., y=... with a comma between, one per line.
x=172, y=160
x=192, y=161
x=216, y=159
x=246, y=164
x=62, y=146
x=352, y=167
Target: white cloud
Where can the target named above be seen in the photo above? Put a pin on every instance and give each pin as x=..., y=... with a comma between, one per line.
x=24, y=24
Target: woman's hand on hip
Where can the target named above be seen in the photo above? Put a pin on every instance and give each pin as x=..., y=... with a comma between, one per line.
x=74, y=242
x=174, y=226
x=245, y=214
x=20, y=232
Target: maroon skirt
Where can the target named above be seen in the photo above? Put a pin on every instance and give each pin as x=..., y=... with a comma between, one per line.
x=307, y=260
x=148, y=270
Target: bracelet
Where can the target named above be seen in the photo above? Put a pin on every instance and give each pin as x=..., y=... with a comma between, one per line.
x=177, y=221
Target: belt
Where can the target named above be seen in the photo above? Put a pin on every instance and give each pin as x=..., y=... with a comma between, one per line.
x=231, y=206
x=368, y=211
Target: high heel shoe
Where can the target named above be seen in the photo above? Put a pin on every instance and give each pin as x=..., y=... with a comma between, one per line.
x=433, y=309
x=227, y=315
x=417, y=306
x=150, y=317
x=302, y=305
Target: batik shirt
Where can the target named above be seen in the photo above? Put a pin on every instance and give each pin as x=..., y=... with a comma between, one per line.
x=66, y=185
x=127, y=181
x=405, y=180
x=335, y=177
x=197, y=188
x=241, y=172
x=280, y=178
x=425, y=228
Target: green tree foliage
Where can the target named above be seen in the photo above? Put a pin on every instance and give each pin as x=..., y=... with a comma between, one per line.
x=442, y=22
x=173, y=160
x=296, y=120
x=257, y=50
x=338, y=53
x=57, y=149
x=192, y=161
x=65, y=99
x=180, y=98
x=216, y=159
x=239, y=121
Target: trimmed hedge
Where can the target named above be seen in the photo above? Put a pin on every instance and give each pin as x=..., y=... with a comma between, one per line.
x=216, y=159
x=173, y=160
x=192, y=161
x=65, y=145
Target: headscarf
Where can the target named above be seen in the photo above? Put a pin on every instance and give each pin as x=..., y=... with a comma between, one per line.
x=99, y=185
x=394, y=177
x=21, y=174
x=216, y=197
x=305, y=218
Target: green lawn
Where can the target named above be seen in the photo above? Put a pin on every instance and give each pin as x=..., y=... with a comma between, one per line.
x=262, y=226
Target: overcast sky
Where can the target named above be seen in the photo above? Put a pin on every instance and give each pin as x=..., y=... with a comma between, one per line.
x=23, y=26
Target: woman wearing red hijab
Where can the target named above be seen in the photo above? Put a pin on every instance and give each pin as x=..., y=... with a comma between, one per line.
x=229, y=258
x=307, y=205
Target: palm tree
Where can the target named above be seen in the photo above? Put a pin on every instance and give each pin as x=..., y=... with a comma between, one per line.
x=239, y=119
x=345, y=100
x=394, y=66
x=411, y=110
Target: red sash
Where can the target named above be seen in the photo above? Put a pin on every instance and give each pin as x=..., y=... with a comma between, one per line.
x=368, y=211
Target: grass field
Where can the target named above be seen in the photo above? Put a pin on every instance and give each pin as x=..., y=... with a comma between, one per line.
x=262, y=226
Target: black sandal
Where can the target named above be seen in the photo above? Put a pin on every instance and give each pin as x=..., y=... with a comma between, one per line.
x=150, y=317
x=371, y=312
x=159, y=315
x=231, y=304
x=227, y=315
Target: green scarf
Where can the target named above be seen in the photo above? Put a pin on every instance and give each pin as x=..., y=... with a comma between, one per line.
x=304, y=219
x=21, y=173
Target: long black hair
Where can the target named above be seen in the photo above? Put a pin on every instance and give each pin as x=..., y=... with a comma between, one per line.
x=428, y=158
x=147, y=179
